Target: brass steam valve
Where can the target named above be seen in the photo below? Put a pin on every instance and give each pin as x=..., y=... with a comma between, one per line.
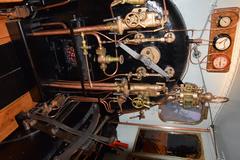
x=104, y=59
x=137, y=18
x=190, y=95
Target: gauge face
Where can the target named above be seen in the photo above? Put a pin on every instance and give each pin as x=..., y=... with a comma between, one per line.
x=221, y=62
x=222, y=42
x=224, y=21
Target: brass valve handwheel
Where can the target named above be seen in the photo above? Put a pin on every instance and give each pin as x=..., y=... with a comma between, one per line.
x=132, y=20
x=138, y=103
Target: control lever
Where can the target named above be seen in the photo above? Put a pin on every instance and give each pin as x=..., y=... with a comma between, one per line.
x=145, y=60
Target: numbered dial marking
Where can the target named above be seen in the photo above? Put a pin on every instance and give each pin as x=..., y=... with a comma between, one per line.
x=224, y=21
x=221, y=61
x=222, y=42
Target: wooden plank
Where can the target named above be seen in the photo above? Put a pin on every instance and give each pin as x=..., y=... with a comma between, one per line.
x=7, y=115
x=4, y=35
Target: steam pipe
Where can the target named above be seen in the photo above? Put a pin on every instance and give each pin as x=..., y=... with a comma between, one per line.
x=97, y=37
x=55, y=5
x=78, y=30
x=124, y=87
x=76, y=85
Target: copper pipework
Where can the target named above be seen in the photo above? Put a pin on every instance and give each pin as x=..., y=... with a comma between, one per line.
x=78, y=30
x=97, y=37
x=168, y=128
x=77, y=85
x=61, y=24
x=118, y=26
x=121, y=87
x=84, y=99
x=55, y=5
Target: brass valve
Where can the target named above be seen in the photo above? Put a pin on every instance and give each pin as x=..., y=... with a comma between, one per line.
x=189, y=95
x=141, y=102
x=137, y=18
x=104, y=59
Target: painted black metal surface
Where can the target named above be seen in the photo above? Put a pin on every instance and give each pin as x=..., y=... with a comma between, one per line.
x=174, y=54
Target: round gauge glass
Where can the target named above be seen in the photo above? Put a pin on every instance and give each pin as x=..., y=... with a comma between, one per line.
x=224, y=21
x=222, y=42
x=221, y=62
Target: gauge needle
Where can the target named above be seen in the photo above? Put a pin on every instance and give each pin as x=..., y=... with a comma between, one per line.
x=223, y=41
x=145, y=60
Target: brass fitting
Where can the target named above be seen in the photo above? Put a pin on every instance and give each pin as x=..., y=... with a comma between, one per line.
x=117, y=26
x=144, y=89
x=133, y=2
x=190, y=95
x=149, y=90
x=84, y=44
x=137, y=18
x=104, y=59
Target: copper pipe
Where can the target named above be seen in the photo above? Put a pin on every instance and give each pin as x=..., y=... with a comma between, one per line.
x=76, y=85
x=63, y=25
x=84, y=99
x=165, y=10
x=78, y=30
x=164, y=127
x=55, y=5
x=119, y=87
x=97, y=37
x=164, y=6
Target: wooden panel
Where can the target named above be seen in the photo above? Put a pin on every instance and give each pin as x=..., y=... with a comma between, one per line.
x=216, y=30
x=7, y=115
x=4, y=35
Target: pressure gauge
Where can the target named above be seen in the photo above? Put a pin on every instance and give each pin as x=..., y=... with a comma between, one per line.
x=222, y=42
x=224, y=21
x=221, y=61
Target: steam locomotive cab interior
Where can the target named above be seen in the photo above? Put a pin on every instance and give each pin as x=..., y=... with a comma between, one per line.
x=77, y=73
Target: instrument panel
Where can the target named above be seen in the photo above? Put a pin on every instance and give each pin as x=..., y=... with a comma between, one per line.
x=223, y=28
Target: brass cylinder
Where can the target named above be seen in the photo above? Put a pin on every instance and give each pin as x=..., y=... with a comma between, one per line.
x=145, y=87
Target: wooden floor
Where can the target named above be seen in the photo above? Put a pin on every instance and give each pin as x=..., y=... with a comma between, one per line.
x=7, y=115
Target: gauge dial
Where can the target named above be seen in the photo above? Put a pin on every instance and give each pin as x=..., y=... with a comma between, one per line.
x=224, y=21
x=221, y=61
x=222, y=42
